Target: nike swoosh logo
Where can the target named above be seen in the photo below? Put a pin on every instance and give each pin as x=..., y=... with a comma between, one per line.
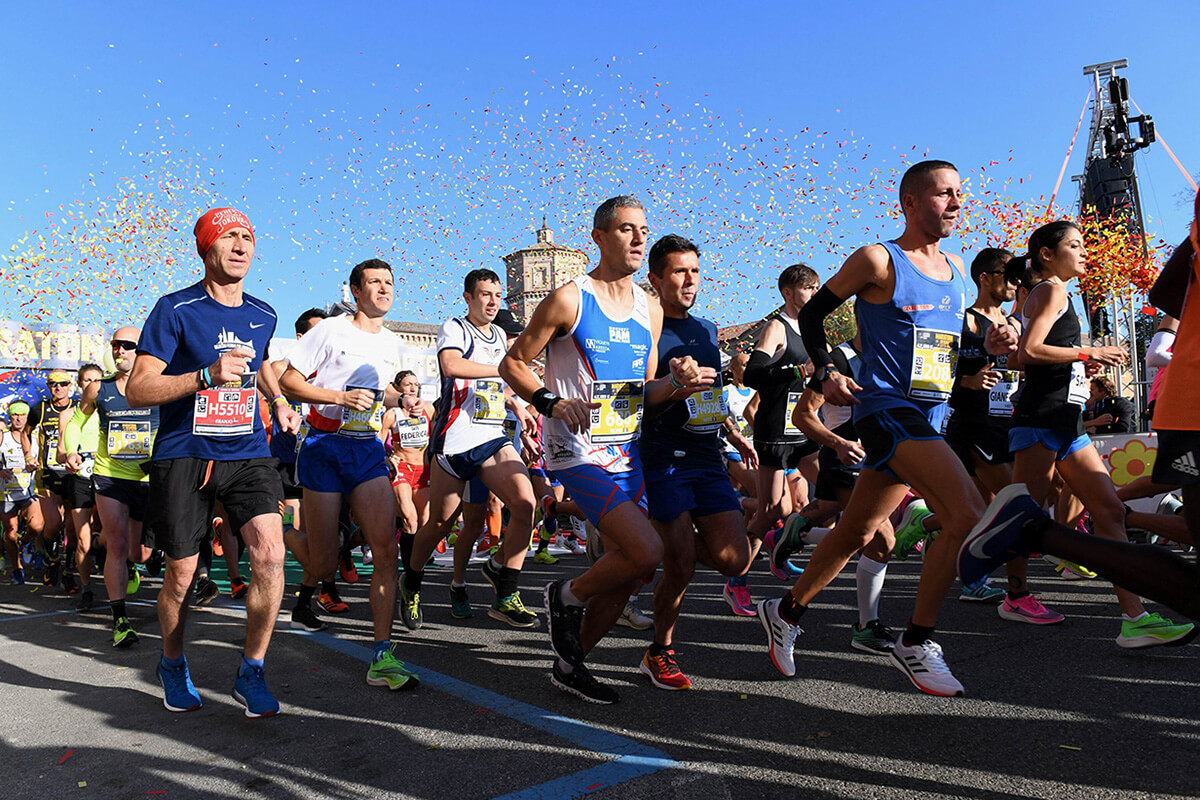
x=259, y=325
x=975, y=548
x=984, y=453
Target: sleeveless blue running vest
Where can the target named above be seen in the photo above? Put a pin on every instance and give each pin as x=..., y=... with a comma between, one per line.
x=910, y=343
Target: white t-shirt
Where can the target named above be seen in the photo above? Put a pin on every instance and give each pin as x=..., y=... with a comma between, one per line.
x=472, y=410
x=335, y=354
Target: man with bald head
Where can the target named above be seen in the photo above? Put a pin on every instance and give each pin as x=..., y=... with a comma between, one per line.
x=125, y=443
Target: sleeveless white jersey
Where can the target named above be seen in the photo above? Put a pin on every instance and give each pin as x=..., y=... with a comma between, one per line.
x=472, y=410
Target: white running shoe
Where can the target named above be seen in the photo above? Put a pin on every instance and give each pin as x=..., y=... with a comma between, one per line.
x=926, y=667
x=781, y=636
x=632, y=617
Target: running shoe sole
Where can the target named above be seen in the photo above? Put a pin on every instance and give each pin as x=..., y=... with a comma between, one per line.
x=1146, y=642
x=246, y=707
x=572, y=690
x=900, y=665
x=1018, y=617
x=500, y=615
x=649, y=673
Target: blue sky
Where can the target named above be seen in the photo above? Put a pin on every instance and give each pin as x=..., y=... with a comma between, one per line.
x=436, y=135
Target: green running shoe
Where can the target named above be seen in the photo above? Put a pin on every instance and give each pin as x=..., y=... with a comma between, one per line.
x=390, y=672
x=910, y=531
x=410, y=607
x=544, y=557
x=1153, y=630
x=511, y=610
x=460, y=604
x=874, y=637
x=123, y=633
x=135, y=582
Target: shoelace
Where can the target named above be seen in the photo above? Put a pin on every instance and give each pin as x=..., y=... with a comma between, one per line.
x=666, y=663
x=256, y=679
x=935, y=662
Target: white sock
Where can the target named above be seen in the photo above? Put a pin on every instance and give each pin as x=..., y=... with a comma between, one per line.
x=868, y=578
x=814, y=535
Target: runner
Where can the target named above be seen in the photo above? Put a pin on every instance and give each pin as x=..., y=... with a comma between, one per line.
x=211, y=445
x=599, y=333
x=777, y=369
x=41, y=447
x=125, y=442
x=409, y=426
x=17, y=486
x=341, y=369
x=982, y=400
x=81, y=500
x=910, y=305
x=1047, y=426
x=741, y=464
x=692, y=503
x=469, y=441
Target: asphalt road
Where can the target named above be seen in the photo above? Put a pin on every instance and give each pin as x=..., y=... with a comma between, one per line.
x=1051, y=712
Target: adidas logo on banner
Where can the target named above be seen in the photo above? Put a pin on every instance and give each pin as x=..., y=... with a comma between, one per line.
x=1186, y=463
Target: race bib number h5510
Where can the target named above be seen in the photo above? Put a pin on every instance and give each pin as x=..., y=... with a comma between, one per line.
x=225, y=411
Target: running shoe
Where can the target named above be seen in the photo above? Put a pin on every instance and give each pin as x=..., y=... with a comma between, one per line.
x=123, y=634
x=303, y=619
x=580, y=683
x=1028, y=609
x=368, y=557
x=996, y=538
x=739, y=599
x=925, y=666
x=250, y=689
x=179, y=694
x=874, y=637
x=1069, y=570
x=154, y=564
x=69, y=584
x=573, y=546
x=217, y=547
x=389, y=671
x=774, y=544
x=206, y=591
x=1153, y=630
x=663, y=672
x=544, y=557
x=910, y=530
x=511, y=610
x=593, y=542
x=135, y=582
x=460, y=604
x=781, y=636
x=86, y=600
x=492, y=573
x=332, y=602
x=347, y=569
x=50, y=573
x=563, y=622
x=18, y=577
x=1169, y=505
x=452, y=539
x=632, y=617
x=238, y=588
x=410, y=607
x=981, y=592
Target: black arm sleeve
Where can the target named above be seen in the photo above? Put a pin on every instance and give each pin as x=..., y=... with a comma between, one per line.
x=761, y=373
x=1168, y=291
x=812, y=325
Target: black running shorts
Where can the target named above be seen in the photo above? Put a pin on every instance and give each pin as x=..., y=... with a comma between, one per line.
x=1178, y=460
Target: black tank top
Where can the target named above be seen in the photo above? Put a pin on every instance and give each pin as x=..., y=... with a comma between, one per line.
x=972, y=357
x=1054, y=394
x=773, y=423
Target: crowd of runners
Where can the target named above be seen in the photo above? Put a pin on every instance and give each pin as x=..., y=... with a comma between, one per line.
x=613, y=422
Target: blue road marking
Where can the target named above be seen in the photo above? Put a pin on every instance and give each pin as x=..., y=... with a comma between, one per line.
x=628, y=759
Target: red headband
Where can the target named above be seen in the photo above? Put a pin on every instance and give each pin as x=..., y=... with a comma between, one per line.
x=215, y=223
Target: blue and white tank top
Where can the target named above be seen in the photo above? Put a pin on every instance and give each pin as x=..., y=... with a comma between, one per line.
x=601, y=360
x=910, y=343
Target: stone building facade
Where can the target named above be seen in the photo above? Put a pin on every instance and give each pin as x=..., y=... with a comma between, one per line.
x=533, y=272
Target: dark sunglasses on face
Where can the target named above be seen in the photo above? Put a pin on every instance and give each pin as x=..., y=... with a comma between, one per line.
x=124, y=344
x=58, y=383
x=1000, y=272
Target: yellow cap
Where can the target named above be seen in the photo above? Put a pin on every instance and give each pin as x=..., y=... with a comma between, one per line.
x=58, y=376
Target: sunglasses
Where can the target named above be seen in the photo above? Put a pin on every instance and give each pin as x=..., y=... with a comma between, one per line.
x=58, y=383
x=999, y=272
x=124, y=344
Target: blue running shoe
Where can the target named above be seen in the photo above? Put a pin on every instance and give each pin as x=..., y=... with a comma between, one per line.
x=996, y=539
x=179, y=694
x=250, y=689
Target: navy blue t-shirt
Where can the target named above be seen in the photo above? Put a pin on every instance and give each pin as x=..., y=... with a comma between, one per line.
x=189, y=330
x=685, y=434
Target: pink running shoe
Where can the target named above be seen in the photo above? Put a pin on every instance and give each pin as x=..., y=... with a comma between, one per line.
x=739, y=600
x=1028, y=609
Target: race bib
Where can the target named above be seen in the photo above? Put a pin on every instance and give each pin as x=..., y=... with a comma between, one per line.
x=1000, y=396
x=363, y=424
x=789, y=429
x=1077, y=393
x=412, y=433
x=87, y=467
x=225, y=411
x=129, y=441
x=617, y=419
x=935, y=354
x=707, y=410
x=489, y=402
